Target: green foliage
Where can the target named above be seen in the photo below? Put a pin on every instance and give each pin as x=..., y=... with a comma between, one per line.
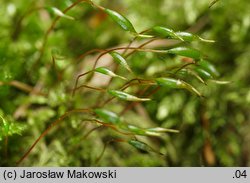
x=132, y=85
x=9, y=127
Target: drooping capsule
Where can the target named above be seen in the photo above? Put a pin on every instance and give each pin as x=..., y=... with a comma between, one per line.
x=142, y=146
x=186, y=52
x=122, y=21
x=118, y=58
x=126, y=96
x=107, y=116
x=187, y=36
x=59, y=13
x=106, y=71
x=207, y=66
x=166, y=33
x=177, y=83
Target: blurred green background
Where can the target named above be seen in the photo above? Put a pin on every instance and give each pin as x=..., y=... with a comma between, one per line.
x=213, y=131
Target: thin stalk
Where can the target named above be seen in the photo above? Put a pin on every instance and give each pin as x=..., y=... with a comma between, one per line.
x=111, y=126
x=58, y=75
x=72, y=150
x=51, y=28
x=124, y=52
x=126, y=48
x=131, y=105
x=184, y=66
x=140, y=82
x=141, y=46
x=78, y=77
x=126, y=85
x=6, y=147
x=55, y=123
x=123, y=48
x=133, y=40
x=22, y=86
x=105, y=146
x=18, y=24
x=90, y=87
x=88, y=53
